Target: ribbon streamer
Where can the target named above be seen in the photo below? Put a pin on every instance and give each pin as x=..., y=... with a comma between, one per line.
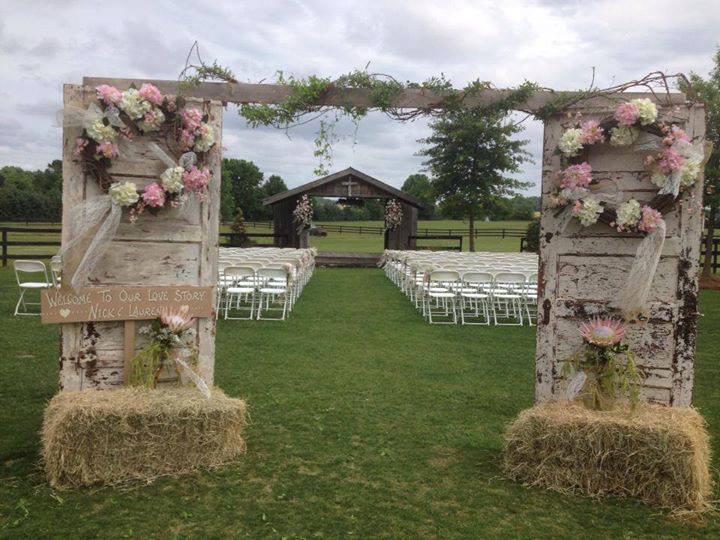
x=162, y=155
x=631, y=299
x=192, y=375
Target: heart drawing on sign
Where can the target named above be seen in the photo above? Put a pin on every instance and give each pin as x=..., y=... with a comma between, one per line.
x=64, y=313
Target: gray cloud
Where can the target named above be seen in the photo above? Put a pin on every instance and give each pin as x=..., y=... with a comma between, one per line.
x=44, y=44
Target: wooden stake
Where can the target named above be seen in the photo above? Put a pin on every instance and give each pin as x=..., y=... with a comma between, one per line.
x=128, y=350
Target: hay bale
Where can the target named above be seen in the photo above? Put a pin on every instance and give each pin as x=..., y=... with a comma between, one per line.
x=659, y=455
x=109, y=437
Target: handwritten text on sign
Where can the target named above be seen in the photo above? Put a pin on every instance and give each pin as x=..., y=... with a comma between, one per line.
x=121, y=303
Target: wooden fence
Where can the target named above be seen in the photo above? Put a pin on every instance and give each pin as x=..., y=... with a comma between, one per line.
x=12, y=237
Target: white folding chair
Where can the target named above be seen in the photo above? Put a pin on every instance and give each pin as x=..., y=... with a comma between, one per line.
x=274, y=288
x=239, y=285
x=440, y=291
x=508, y=297
x=37, y=279
x=475, y=298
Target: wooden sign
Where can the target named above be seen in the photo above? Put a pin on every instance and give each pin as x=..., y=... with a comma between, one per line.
x=65, y=305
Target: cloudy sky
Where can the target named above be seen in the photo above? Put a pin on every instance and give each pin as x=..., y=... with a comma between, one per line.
x=553, y=42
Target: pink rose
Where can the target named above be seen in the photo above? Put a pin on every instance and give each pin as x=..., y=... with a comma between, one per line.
x=196, y=179
x=154, y=195
x=108, y=149
x=577, y=176
x=109, y=94
x=191, y=118
x=80, y=145
x=650, y=219
x=627, y=113
x=187, y=139
x=591, y=132
x=150, y=93
x=577, y=207
x=670, y=160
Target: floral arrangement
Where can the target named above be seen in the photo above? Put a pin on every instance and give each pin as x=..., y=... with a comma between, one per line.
x=121, y=115
x=303, y=213
x=169, y=334
x=393, y=215
x=597, y=375
x=674, y=168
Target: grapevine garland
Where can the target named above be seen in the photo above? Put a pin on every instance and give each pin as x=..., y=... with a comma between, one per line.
x=121, y=116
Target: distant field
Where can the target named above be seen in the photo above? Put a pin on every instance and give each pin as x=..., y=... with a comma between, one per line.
x=335, y=241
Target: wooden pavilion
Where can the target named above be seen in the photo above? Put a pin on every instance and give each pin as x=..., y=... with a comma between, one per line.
x=346, y=184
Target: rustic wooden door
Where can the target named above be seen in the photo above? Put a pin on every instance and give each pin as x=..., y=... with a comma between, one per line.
x=175, y=247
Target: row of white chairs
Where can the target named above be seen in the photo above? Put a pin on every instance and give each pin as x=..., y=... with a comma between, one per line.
x=467, y=288
x=254, y=283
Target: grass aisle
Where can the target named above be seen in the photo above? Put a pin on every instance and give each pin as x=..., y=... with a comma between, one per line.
x=365, y=422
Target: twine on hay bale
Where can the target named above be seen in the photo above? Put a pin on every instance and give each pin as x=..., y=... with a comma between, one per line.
x=659, y=455
x=108, y=437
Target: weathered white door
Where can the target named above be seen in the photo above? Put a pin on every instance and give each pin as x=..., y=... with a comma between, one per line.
x=175, y=247
x=582, y=269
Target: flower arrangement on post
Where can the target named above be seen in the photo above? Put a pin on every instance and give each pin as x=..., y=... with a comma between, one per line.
x=303, y=213
x=393, y=215
x=171, y=338
x=598, y=375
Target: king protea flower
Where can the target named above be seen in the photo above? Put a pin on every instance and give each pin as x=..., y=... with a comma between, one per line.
x=177, y=320
x=602, y=331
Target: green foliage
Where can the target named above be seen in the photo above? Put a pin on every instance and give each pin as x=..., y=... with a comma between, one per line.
x=240, y=237
x=470, y=155
x=532, y=236
x=244, y=179
x=147, y=364
x=608, y=377
x=418, y=185
x=31, y=195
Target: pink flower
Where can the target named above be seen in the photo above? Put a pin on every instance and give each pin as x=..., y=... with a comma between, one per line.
x=108, y=149
x=177, y=320
x=191, y=118
x=591, y=132
x=187, y=139
x=602, y=331
x=627, y=114
x=170, y=103
x=154, y=195
x=196, y=179
x=577, y=208
x=109, y=94
x=150, y=93
x=650, y=219
x=80, y=145
x=679, y=134
x=670, y=160
x=577, y=176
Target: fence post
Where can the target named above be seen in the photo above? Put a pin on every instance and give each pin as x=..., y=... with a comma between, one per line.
x=4, y=248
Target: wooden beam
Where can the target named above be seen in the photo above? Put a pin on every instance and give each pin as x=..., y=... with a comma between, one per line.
x=128, y=350
x=408, y=99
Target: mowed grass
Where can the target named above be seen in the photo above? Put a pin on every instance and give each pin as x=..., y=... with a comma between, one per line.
x=365, y=422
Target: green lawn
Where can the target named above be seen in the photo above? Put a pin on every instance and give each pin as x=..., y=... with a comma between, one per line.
x=365, y=422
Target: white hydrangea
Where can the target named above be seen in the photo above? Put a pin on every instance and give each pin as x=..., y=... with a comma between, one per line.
x=123, y=193
x=99, y=132
x=206, y=138
x=647, y=110
x=623, y=135
x=689, y=171
x=628, y=214
x=171, y=179
x=659, y=179
x=571, y=142
x=590, y=211
x=133, y=105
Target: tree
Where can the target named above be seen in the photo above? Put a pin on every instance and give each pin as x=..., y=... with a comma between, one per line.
x=244, y=178
x=470, y=154
x=272, y=186
x=418, y=185
x=708, y=90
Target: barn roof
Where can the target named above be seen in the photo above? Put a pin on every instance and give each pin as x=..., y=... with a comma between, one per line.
x=348, y=173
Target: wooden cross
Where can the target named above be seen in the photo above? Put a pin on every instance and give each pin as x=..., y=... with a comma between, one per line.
x=349, y=185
